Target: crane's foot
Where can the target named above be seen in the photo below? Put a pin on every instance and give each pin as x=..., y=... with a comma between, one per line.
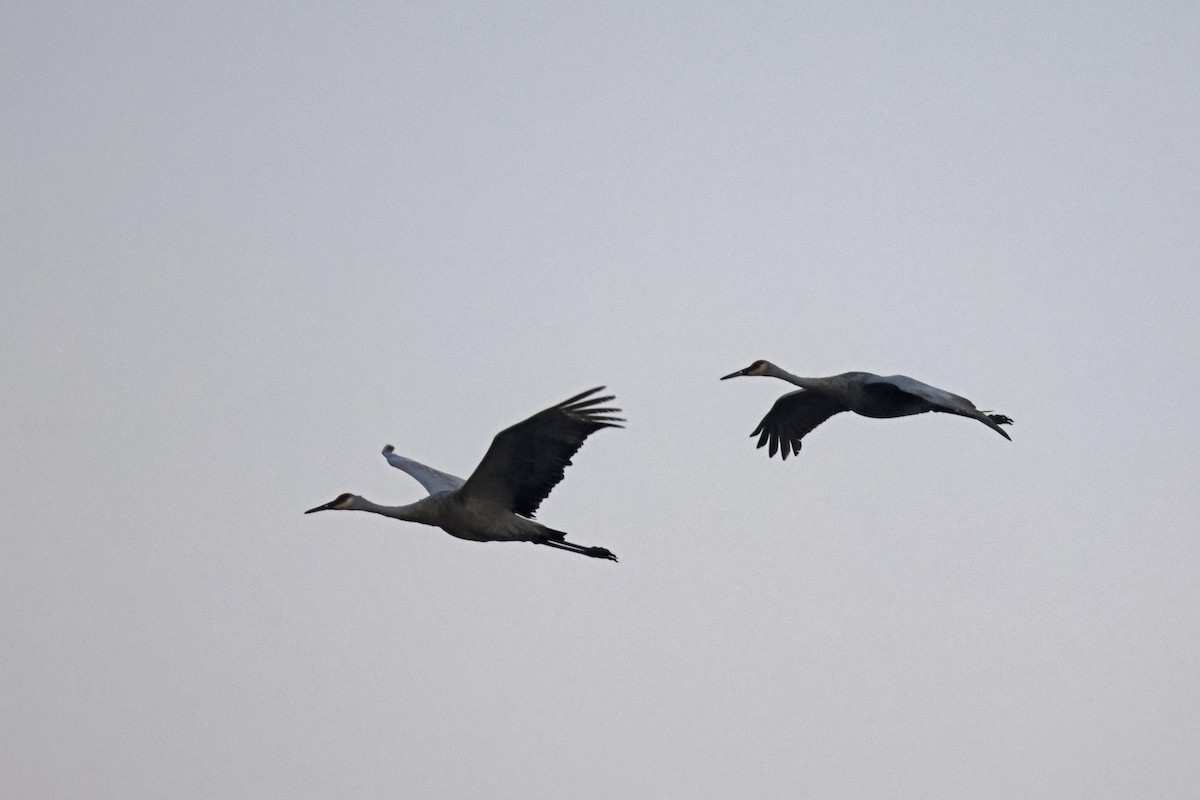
x=1000, y=419
x=599, y=552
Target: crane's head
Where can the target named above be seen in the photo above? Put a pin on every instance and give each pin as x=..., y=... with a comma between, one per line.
x=344, y=502
x=757, y=368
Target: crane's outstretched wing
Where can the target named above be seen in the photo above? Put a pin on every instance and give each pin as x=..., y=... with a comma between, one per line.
x=527, y=460
x=791, y=418
x=939, y=400
x=930, y=394
x=434, y=480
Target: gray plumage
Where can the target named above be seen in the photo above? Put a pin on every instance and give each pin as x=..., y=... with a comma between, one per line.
x=795, y=414
x=498, y=501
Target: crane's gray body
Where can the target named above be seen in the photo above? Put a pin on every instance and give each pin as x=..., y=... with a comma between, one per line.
x=889, y=396
x=462, y=519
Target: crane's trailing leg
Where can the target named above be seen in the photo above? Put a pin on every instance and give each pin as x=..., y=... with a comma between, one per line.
x=556, y=540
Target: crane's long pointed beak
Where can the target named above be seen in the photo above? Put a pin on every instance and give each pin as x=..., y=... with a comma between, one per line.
x=734, y=374
x=325, y=507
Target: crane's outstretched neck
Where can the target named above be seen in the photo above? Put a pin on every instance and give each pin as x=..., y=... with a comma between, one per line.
x=420, y=511
x=413, y=512
x=773, y=371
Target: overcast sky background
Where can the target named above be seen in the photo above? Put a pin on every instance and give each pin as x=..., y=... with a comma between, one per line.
x=247, y=244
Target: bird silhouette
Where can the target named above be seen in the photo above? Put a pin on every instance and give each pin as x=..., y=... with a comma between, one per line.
x=498, y=502
x=795, y=414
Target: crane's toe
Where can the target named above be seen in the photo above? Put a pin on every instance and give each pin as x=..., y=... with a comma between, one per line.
x=1000, y=419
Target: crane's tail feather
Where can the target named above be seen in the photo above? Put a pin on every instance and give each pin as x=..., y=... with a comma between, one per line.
x=994, y=421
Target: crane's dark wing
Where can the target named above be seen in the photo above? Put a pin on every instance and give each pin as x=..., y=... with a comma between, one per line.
x=938, y=400
x=527, y=460
x=791, y=418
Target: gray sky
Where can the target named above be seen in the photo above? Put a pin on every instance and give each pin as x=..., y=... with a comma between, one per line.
x=246, y=245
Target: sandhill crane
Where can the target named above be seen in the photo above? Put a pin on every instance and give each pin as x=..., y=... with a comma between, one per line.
x=498, y=502
x=796, y=413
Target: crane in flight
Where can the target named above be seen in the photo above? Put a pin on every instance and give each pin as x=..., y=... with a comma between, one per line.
x=796, y=413
x=498, y=502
